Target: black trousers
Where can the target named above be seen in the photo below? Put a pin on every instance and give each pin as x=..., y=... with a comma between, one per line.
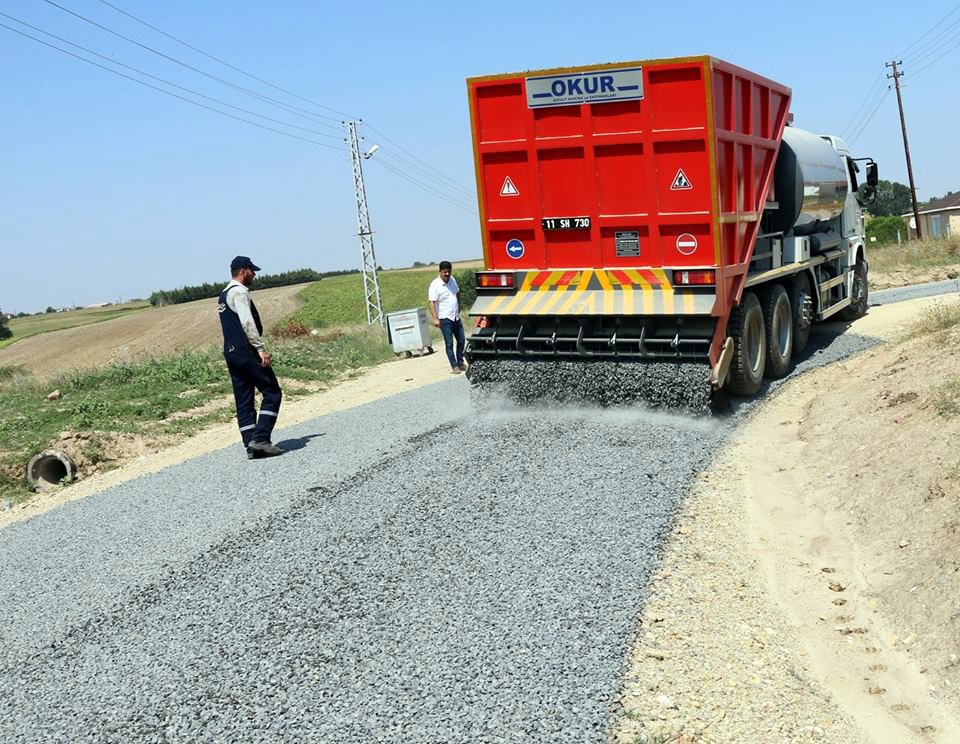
x=247, y=374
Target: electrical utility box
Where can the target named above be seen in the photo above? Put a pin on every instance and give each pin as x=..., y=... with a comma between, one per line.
x=410, y=330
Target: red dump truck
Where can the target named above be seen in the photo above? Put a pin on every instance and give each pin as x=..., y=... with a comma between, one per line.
x=663, y=210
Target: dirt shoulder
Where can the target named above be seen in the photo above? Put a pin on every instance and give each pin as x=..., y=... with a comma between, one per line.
x=908, y=275
x=809, y=591
x=374, y=383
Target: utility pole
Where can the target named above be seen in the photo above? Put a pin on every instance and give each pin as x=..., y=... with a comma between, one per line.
x=368, y=259
x=897, y=74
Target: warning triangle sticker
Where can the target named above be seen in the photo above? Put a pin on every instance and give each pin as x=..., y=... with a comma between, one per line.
x=509, y=188
x=681, y=182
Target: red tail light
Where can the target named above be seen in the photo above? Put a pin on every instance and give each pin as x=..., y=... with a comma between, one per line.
x=492, y=279
x=697, y=277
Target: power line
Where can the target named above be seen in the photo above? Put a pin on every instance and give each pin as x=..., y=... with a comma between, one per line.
x=424, y=187
x=297, y=111
x=937, y=59
x=870, y=94
x=164, y=81
x=167, y=92
x=935, y=46
x=430, y=190
x=469, y=191
x=929, y=31
x=461, y=191
x=862, y=128
x=225, y=63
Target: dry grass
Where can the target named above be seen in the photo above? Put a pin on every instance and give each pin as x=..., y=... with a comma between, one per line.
x=937, y=319
x=915, y=254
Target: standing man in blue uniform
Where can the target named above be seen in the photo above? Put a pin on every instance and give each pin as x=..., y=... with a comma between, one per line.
x=248, y=361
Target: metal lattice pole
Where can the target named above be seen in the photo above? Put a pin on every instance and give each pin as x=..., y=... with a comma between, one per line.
x=368, y=259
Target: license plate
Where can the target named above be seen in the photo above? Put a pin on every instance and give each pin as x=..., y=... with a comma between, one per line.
x=565, y=223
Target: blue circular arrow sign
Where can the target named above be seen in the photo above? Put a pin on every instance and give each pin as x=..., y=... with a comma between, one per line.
x=515, y=248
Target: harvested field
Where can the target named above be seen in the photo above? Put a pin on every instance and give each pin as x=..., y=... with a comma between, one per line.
x=151, y=332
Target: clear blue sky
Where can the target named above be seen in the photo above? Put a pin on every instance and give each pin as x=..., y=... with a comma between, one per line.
x=109, y=189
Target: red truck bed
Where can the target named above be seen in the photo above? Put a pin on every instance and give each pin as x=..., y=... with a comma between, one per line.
x=628, y=171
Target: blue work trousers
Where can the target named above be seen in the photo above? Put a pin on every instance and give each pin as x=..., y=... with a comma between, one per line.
x=453, y=329
x=248, y=374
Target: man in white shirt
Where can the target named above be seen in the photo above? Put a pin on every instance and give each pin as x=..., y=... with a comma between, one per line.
x=444, y=297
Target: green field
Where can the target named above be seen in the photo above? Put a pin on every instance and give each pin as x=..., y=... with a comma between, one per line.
x=338, y=301
x=31, y=325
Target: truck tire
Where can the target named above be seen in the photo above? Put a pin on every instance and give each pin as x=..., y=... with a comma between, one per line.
x=802, y=316
x=859, y=295
x=778, y=318
x=749, y=335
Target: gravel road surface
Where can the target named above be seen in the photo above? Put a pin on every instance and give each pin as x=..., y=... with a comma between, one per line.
x=409, y=571
x=901, y=294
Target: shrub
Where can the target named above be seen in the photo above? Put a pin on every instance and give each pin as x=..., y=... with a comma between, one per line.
x=467, y=281
x=288, y=329
x=885, y=229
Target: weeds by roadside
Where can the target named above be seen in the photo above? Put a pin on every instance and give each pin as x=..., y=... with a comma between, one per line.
x=946, y=402
x=915, y=254
x=937, y=319
x=174, y=395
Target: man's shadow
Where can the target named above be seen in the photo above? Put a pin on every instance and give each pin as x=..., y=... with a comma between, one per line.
x=288, y=445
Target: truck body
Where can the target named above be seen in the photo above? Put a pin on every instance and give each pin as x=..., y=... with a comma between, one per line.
x=659, y=210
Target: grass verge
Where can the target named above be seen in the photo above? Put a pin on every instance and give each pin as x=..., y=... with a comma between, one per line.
x=31, y=325
x=915, y=254
x=153, y=399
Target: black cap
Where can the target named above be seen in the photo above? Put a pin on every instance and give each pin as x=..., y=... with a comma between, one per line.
x=243, y=262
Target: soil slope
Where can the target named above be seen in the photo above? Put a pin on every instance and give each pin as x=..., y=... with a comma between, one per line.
x=810, y=589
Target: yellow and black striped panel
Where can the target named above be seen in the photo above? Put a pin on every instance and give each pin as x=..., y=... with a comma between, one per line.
x=594, y=292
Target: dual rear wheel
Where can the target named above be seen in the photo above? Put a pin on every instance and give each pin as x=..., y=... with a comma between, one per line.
x=764, y=330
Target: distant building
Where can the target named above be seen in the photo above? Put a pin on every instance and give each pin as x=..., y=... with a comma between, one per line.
x=938, y=219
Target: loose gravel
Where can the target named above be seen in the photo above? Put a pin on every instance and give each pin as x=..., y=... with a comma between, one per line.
x=684, y=386
x=410, y=571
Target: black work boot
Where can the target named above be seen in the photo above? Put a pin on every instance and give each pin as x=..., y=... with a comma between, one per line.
x=263, y=448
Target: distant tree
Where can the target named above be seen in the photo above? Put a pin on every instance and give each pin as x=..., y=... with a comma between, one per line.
x=22, y=314
x=5, y=331
x=893, y=198
x=50, y=309
x=885, y=229
x=212, y=289
x=419, y=264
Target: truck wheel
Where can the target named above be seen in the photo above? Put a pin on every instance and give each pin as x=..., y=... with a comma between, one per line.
x=801, y=303
x=779, y=321
x=859, y=295
x=749, y=336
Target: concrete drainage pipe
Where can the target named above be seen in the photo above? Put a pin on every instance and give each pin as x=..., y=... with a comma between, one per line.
x=50, y=468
